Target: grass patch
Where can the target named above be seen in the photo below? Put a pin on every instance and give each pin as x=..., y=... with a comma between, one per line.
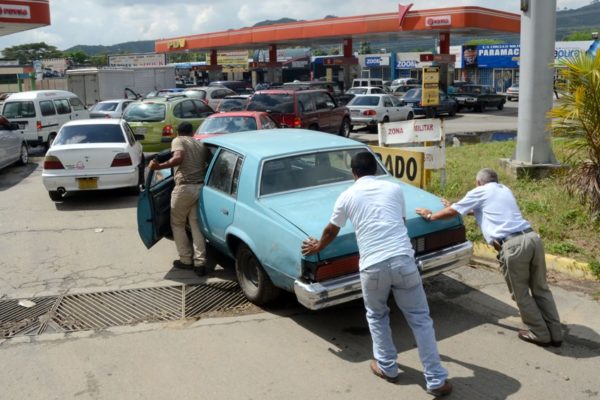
x=565, y=225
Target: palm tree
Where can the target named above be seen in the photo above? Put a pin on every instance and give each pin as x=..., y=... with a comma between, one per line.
x=577, y=117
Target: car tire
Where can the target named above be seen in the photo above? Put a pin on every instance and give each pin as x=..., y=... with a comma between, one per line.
x=346, y=128
x=54, y=195
x=23, y=155
x=458, y=108
x=500, y=105
x=313, y=127
x=410, y=116
x=254, y=281
x=479, y=108
x=51, y=138
x=452, y=111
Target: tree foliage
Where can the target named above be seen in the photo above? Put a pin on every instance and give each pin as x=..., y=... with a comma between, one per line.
x=99, y=60
x=364, y=48
x=27, y=53
x=581, y=35
x=577, y=117
x=77, y=56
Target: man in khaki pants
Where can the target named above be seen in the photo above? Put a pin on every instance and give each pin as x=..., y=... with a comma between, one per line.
x=190, y=162
x=520, y=253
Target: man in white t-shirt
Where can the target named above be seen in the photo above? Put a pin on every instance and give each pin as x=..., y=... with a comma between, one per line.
x=520, y=253
x=377, y=211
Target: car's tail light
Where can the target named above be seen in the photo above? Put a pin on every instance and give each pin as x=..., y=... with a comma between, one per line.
x=439, y=240
x=121, y=160
x=38, y=125
x=297, y=122
x=369, y=112
x=167, y=130
x=52, y=162
x=329, y=269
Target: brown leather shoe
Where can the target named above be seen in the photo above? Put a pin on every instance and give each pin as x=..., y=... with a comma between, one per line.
x=443, y=390
x=377, y=371
x=528, y=337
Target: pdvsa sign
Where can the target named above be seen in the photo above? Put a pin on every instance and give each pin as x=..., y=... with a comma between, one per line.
x=176, y=44
x=443, y=20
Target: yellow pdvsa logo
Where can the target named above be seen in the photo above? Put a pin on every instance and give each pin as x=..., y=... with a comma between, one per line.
x=176, y=44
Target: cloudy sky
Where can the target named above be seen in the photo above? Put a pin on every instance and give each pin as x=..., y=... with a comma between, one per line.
x=108, y=22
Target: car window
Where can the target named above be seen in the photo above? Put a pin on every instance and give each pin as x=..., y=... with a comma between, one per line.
x=323, y=101
x=145, y=112
x=282, y=103
x=308, y=170
x=105, y=106
x=76, y=104
x=62, y=106
x=413, y=94
x=203, y=109
x=370, y=101
x=19, y=109
x=47, y=108
x=219, y=94
x=129, y=134
x=267, y=122
x=305, y=103
x=387, y=102
x=376, y=91
x=97, y=133
x=396, y=102
x=222, y=173
x=185, y=110
x=232, y=105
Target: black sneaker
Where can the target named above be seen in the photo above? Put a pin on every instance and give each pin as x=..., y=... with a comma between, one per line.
x=443, y=390
x=181, y=265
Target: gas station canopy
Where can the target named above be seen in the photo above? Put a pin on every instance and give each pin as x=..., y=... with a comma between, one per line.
x=21, y=15
x=404, y=24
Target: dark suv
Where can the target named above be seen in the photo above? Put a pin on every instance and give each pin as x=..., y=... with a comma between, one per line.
x=308, y=109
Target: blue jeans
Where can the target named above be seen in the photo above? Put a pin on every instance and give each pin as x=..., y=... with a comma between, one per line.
x=400, y=276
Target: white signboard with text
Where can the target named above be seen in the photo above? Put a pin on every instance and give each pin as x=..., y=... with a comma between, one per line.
x=412, y=131
x=434, y=156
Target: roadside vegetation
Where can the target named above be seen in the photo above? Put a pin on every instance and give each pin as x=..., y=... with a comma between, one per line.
x=567, y=226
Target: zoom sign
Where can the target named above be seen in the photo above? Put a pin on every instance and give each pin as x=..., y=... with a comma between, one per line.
x=408, y=166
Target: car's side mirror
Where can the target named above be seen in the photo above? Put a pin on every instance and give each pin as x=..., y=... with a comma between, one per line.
x=139, y=137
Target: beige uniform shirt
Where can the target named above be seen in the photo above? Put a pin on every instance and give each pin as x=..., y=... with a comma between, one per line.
x=193, y=167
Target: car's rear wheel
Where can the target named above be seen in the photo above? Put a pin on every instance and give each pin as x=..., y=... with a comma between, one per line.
x=479, y=108
x=51, y=138
x=24, y=155
x=54, y=195
x=452, y=111
x=253, y=279
x=410, y=116
x=500, y=106
x=346, y=128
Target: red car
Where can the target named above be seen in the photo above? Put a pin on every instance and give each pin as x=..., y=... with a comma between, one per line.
x=235, y=121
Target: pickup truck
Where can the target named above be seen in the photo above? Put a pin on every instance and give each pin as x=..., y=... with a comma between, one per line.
x=478, y=98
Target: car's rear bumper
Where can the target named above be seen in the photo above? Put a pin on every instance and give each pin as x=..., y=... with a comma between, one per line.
x=105, y=180
x=319, y=295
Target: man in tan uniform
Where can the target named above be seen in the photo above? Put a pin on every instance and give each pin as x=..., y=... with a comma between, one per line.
x=189, y=159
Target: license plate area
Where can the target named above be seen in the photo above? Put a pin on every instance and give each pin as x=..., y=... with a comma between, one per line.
x=87, y=183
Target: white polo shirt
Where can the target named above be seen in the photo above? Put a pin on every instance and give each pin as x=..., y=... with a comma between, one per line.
x=495, y=209
x=376, y=209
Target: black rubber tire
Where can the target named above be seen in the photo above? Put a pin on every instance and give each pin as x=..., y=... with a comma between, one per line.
x=386, y=119
x=51, y=138
x=54, y=195
x=479, y=108
x=458, y=108
x=345, y=128
x=410, y=116
x=500, y=106
x=254, y=281
x=314, y=127
x=24, y=155
x=452, y=111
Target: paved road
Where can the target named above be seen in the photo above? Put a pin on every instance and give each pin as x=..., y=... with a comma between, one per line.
x=90, y=242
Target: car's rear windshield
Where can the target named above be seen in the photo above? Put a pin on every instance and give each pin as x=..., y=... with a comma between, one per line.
x=19, y=109
x=413, y=94
x=232, y=104
x=145, y=112
x=470, y=89
x=309, y=170
x=370, y=101
x=93, y=133
x=227, y=125
x=357, y=91
x=108, y=106
x=282, y=103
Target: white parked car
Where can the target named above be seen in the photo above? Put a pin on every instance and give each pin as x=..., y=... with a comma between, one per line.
x=109, y=108
x=13, y=148
x=365, y=90
x=372, y=109
x=91, y=155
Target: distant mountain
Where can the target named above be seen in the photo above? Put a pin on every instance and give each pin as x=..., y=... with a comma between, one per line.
x=142, y=46
x=581, y=19
x=277, y=21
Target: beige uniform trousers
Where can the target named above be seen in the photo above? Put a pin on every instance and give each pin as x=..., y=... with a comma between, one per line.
x=184, y=208
x=523, y=263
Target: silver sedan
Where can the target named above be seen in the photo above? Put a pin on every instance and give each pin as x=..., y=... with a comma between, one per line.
x=372, y=109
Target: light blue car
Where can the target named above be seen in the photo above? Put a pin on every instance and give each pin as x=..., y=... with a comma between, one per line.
x=266, y=191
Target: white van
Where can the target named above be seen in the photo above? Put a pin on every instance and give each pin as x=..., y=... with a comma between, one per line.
x=41, y=113
x=369, y=82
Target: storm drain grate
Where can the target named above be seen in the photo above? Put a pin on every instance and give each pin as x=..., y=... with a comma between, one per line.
x=23, y=317
x=100, y=310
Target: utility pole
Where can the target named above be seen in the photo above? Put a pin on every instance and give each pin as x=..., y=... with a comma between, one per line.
x=534, y=156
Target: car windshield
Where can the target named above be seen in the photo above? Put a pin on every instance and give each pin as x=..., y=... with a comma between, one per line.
x=105, y=106
x=232, y=104
x=282, y=103
x=145, y=112
x=414, y=94
x=19, y=109
x=92, y=133
x=227, y=125
x=371, y=101
x=470, y=89
x=356, y=91
x=308, y=170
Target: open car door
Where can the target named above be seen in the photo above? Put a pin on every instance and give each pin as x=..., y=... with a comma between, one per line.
x=154, y=205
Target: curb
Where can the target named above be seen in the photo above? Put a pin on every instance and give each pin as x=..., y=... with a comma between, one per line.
x=484, y=253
